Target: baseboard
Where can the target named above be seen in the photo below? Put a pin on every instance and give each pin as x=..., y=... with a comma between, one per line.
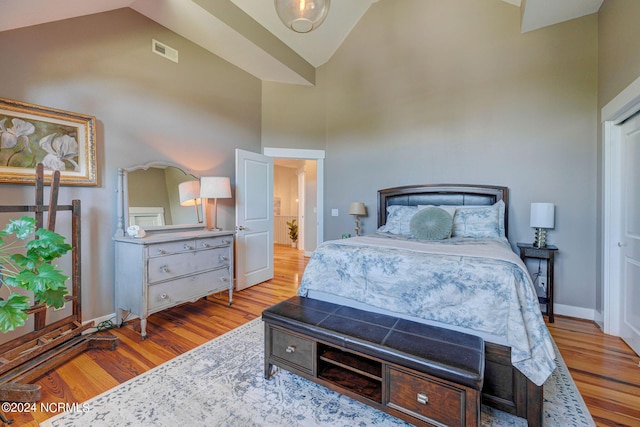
x=599, y=319
x=572, y=311
x=560, y=309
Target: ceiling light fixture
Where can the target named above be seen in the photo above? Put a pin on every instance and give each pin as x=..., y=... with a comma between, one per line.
x=302, y=16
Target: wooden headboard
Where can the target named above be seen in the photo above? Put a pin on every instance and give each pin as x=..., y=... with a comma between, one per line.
x=442, y=194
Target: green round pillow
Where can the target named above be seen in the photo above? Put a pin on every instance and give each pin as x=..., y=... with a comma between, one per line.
x=431, y=223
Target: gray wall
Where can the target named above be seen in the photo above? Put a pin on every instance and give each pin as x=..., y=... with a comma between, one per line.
x=422, y=91
x=619, y=47
x=618, y=67
x=431, y=91
x=194, y=113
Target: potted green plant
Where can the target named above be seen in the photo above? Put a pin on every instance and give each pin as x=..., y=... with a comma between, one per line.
x=25, y=264
x=293, y=232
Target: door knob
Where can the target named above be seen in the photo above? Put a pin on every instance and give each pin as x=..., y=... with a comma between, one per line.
x=241, y=227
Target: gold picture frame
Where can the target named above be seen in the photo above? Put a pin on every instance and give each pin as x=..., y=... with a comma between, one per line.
x=60, y=140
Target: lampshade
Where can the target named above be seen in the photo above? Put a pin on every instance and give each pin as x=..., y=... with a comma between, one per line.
x=302, y=16
x=189, y=193
x=542, y=215
x=215, y=187
x=357, y=208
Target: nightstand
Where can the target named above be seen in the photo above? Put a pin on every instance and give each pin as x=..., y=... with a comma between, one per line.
x=528, y=250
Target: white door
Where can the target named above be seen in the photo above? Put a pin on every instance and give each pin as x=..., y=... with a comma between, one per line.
x=630, y=239
x=254, y=218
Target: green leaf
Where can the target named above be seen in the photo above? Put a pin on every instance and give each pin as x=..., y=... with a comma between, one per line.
x=47, y=277
x=49, y=245
x=22, y=227
x=52, y=297
x=29, y=262
x=12, y=313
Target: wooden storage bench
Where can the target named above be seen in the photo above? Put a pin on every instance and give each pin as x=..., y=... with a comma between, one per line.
x=423, y=374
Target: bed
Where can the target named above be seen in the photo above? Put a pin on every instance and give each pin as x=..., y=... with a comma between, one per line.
x=471, y=280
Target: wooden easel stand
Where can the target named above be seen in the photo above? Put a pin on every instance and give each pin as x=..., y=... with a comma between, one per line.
x=28, y=357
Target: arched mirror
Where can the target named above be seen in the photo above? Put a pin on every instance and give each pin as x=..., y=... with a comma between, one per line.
x=158, y=196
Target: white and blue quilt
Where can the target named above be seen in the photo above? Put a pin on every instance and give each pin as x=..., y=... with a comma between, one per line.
x=477, y=284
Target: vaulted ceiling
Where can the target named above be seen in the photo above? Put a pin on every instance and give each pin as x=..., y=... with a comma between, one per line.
x=249, y=34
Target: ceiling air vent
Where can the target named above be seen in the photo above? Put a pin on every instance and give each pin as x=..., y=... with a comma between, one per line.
x=164, y=50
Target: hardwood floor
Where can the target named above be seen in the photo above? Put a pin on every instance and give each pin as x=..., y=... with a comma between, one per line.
x=604, y=368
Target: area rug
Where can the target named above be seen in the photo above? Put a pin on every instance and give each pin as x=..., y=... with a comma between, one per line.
x=221, y=383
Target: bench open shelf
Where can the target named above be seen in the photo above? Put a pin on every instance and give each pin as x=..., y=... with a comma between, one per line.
x=350, y=371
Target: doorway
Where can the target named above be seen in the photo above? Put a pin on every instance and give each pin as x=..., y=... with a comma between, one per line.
x=306, y=167
x=617, y=238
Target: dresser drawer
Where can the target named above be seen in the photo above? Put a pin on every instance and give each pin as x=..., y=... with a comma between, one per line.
x=168, y=248
x=426, y=399
x=212, y=242
x=190, y=288
x=292, y=349
x=176, y=265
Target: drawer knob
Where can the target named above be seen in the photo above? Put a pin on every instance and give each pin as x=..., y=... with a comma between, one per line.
x=224, y=279
x=291, y=349
x=188, y=247
x=206, y=245
x=224, y=258
x=160, y=251
x=164, y=296
x=164, y=268
x=226, y=241
x=422, y=398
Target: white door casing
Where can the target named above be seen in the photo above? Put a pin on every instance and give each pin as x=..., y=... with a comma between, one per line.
x=619, y=109
x=302, y=213
x=630, y=237
x=254, y=218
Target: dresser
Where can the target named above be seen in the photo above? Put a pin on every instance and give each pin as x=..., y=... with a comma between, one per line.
x=163, y=270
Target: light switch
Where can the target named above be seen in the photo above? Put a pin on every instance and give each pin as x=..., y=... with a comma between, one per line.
x=334, y=212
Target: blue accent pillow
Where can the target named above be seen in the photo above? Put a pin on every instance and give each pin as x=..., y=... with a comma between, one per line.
x=479, y=221
x=431, y=223
x=398, y=218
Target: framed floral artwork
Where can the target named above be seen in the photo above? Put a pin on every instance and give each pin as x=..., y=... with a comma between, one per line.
x=60, y=140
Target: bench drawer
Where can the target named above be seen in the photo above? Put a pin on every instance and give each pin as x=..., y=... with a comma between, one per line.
x=292, y=349
x=426, y=399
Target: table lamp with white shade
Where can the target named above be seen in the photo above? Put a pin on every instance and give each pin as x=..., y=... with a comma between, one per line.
x=189, y=194
x=542, y=218
x=358, y=209
x=215, y=187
